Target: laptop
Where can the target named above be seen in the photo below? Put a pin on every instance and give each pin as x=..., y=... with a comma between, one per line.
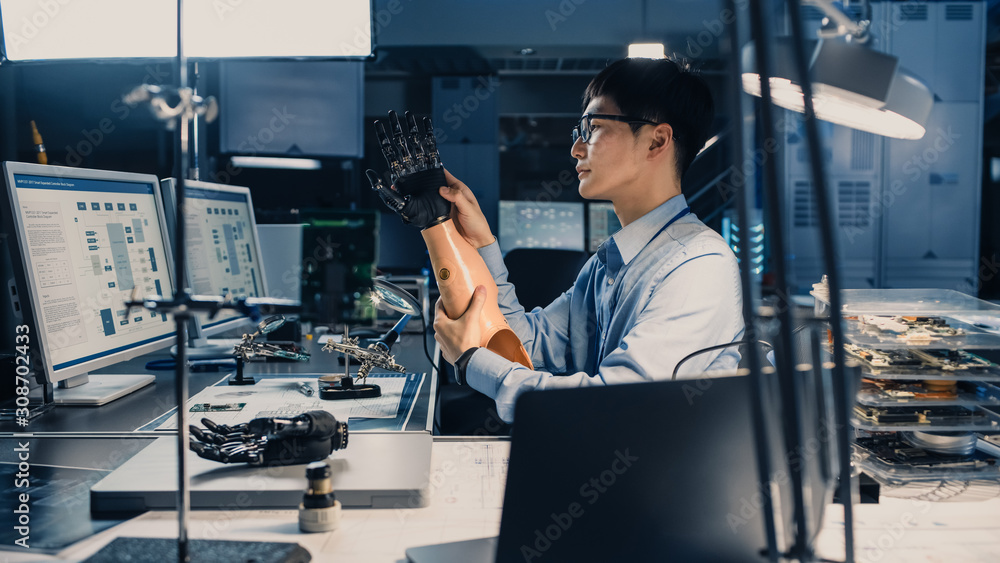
x=662, y=471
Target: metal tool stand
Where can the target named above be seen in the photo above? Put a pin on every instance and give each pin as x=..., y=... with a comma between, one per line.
x=182, y=305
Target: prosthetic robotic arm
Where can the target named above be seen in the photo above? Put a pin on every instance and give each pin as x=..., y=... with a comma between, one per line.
x=417, y=174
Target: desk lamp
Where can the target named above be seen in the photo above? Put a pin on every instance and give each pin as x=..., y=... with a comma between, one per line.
x=852, y=84
x=795, y=70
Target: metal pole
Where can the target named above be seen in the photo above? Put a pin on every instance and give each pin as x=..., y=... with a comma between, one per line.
x=829, y=242
x=749, y=313
x=181, y=317
x=791, y=419
x=195, y=173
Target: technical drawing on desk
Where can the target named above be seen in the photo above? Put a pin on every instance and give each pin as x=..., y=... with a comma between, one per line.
x=90, y=257
x=489, y=477
x=280, y=397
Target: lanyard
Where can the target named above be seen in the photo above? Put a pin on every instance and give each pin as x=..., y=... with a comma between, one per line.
x=615, y=292
x=680, y=214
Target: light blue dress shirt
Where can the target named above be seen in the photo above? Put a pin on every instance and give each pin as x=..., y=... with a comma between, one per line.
x=648, y=298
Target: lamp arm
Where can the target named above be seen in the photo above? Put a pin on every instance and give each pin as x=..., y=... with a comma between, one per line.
x=841, y=23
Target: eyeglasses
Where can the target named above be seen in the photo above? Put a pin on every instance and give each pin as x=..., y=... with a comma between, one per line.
x=582, y=129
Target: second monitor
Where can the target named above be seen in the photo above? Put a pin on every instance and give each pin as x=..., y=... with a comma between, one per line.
x=223, y=253
x=603, y=222
x=529, y=224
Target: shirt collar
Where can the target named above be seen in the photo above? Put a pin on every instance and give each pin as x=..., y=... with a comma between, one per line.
x=637, y=234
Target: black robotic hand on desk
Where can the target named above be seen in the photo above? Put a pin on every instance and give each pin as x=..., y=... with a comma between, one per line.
x=311, y=436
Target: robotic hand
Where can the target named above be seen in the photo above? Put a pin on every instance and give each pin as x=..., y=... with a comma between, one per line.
x=308, y=437
x=417, y=174
x=415, y=171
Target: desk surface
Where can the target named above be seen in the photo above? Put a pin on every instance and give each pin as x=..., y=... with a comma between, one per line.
x=467, y=480
x=136, y=409
x=466, y=484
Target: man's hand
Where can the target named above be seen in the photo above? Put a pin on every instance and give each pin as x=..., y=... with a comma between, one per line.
x=458, y=335
x=465, y=213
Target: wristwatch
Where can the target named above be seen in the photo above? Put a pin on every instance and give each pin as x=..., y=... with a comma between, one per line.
x=463, y=362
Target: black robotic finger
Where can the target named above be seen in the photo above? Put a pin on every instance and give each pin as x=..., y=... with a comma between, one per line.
x=411, y=123
x=196, y=433
x=414, y=142
x=430, y=145
x=405, y=151
x=216, y=428
x=205, y=451
x=389, y=152
x=397, y=128
x=393, y=200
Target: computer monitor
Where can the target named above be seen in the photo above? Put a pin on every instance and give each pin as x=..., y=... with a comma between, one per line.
x=399, y=251
x=339, y=253
x=223, y=255
x=602, y=223
x=86, y=242
x=529, y=224
x=281, y=250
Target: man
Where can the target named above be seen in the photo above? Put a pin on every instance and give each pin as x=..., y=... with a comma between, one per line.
x=661, y=288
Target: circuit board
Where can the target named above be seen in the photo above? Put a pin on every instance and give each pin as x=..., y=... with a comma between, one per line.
x=929, y=416
x=895, y=452
x=915, y=330
x=924, y=363
x=217, y=407
x=902, y=389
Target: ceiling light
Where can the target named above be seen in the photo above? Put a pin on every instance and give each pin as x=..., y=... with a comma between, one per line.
x=125, y=29
x=276, y=162
x=646, y=51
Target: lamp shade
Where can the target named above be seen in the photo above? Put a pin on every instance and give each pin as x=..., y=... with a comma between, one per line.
x=852, y=85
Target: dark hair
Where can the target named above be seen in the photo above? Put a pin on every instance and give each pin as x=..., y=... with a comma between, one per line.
x=660, y=90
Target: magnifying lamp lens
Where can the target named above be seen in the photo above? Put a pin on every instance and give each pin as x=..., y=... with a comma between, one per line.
x=395, y=297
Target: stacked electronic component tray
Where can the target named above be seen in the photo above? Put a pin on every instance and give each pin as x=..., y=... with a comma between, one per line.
x=925, y=405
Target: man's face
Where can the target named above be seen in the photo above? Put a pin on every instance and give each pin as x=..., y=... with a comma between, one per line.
x=611, y=158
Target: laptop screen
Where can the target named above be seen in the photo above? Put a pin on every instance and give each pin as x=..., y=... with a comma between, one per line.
x=638, y=472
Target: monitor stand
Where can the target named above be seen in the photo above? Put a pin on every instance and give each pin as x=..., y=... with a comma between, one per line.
x=94, y=390
x=207, y=348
